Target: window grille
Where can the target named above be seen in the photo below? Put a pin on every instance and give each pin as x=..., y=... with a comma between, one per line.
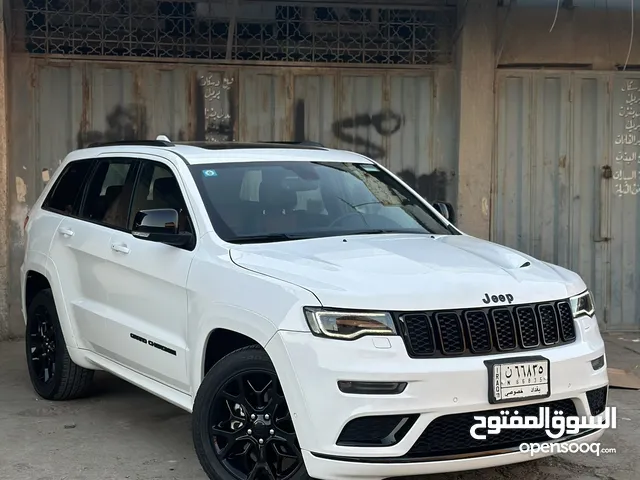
x=242, y=31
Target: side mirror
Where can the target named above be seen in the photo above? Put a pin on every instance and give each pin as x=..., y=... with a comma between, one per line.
x=160, y=225
x=446, y=210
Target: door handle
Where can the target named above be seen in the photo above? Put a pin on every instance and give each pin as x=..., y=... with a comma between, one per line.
x=120, y=248
x=66, y=232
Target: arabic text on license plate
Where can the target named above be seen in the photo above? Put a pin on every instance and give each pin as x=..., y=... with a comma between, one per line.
x=519, y=380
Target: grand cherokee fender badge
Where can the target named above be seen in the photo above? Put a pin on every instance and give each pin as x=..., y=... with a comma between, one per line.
x=497, y=298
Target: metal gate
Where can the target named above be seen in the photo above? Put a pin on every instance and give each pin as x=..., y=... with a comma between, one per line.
x=566, y=180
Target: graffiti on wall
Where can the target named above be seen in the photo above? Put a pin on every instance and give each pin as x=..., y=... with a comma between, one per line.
x=216, y=109
x=123, y=122
x=431, y=186
x=385, y=123
x=356, y=132
x=215, y=104
x=625, y=175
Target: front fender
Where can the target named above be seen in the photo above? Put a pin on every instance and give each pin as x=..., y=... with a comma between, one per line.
x=229, y=317
x=225, y=295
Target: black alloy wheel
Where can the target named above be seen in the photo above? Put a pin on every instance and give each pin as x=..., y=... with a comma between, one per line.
x=41, y=345
x=242, y=426
x=53, y=374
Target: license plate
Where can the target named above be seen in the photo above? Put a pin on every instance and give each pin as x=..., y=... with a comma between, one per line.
x=516, y=379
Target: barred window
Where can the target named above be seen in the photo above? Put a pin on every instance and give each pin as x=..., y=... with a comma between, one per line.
x=246, y=31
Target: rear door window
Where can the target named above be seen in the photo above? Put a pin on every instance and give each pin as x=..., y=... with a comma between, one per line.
x=66, y=194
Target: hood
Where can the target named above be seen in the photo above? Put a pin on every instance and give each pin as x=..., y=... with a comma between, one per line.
x=408, y=272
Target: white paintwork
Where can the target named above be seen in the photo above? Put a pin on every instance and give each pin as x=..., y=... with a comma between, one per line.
x=178, y=297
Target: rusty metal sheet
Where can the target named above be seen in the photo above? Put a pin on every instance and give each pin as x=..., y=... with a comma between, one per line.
x=406, y=119
x=566, y=180
x=624, y=199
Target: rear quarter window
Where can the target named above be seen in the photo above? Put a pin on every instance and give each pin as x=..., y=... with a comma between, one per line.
x=66, y=193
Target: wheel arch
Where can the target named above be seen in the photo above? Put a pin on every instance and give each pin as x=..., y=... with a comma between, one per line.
x=49, y=273
x=220, y=343
x=215, y=338
x=245, y=333
x=34, y=283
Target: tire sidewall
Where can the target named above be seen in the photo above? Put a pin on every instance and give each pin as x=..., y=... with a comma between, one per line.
x=44, y=298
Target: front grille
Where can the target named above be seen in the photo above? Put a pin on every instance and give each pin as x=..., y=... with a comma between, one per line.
x=376, y=431
x=597, y=400
x=482, y=331
x=566, y=322
x=450, y=434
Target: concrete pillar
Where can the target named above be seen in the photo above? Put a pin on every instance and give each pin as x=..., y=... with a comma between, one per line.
x=4, y=210
x=476, y=51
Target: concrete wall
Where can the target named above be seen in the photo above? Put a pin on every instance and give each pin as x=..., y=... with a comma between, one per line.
x=4, y=213
x=581, y=39
x=476, y=73
x=598, y=39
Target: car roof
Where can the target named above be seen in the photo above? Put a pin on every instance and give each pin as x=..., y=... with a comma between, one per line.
x=200, y=153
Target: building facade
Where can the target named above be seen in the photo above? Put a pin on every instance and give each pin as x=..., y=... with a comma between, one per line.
x=520, y=114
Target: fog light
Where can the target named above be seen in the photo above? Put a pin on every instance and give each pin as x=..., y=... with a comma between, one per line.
x=372, y=388
x=598, y=363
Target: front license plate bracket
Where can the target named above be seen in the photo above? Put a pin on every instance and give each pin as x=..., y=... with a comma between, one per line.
x=518, y=379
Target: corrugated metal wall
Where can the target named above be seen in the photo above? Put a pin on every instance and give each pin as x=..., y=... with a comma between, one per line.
x=405, y=119
x=567, y=152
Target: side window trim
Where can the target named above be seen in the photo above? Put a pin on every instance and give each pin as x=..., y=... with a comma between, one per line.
x=136, y=181
x=135, y=164
x=85, y=189
x=75, y=214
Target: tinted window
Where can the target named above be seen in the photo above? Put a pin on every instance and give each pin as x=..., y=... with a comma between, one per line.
x=66, y=194
x=157, y=187
x=109, y=193
x=287, y=200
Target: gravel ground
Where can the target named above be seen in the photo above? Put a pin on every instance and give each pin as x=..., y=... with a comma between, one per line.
x=122, y=432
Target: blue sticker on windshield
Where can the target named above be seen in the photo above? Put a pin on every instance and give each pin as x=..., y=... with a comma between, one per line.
x=209, y=173
x=368, y=167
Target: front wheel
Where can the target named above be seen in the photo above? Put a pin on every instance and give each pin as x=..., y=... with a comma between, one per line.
x=242, y=428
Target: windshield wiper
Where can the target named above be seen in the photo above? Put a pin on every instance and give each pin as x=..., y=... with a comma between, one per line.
x=376, y=231
x=266, y=238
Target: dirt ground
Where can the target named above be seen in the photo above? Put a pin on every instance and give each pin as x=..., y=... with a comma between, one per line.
x=122, y=432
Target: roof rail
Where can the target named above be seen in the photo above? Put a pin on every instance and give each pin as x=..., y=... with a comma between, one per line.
x=143, y=143
x=304, y=143
x=239, y=145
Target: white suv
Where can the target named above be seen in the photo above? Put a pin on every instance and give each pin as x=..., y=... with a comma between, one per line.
x=316, y=315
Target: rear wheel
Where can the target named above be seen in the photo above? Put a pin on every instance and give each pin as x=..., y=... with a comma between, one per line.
x=53, y=374
x=242, y=428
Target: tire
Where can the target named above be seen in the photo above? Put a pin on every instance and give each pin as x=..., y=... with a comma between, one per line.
x=239, y=383
x=46, y=351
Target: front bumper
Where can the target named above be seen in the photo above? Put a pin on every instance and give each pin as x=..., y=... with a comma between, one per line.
x=329, y=469
x=310, y=367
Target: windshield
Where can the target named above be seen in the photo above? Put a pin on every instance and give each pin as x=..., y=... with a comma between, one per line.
x=279, y=201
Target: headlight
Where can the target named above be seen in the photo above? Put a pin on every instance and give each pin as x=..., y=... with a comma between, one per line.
x=346, y=325
x=582, y=305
